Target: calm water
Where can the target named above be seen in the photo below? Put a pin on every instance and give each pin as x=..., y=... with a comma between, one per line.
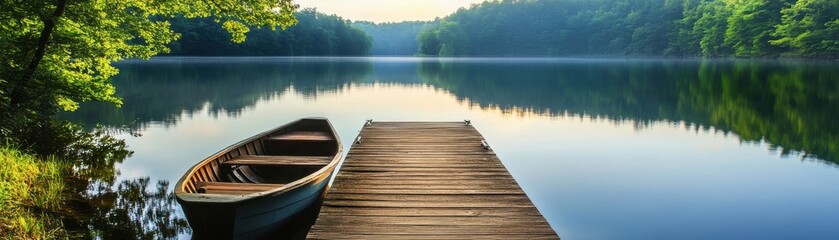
x=605, y=148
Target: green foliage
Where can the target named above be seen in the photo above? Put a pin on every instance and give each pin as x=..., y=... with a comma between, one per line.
x=59, y=53
x=712, y=27
x=316, y=34
x=555, y=27
x=77, y=188
x=429, y=42
x=445, y=39
x=687, y=38
x=30, y=189
x=811, y=27
x=743, y=28
x=751, y=24
x=91, y=153
x=40, y=195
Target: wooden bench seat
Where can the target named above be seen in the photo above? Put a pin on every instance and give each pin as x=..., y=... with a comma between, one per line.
x=233, y=188
x=302, y=136
x=272, y=160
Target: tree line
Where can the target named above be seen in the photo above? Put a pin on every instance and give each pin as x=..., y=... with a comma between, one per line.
x=315, y=34
x=741, y=28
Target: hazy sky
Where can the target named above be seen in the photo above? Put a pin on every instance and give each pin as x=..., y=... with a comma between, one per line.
x=387, y=10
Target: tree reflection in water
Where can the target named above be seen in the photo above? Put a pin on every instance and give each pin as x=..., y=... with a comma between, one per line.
x=134, y=208
x=788, y=104
x=96, y=206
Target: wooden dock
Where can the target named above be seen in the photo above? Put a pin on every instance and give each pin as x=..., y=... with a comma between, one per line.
x=426, y=180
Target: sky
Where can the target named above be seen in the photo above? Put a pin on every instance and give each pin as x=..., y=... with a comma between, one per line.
x=387, y=10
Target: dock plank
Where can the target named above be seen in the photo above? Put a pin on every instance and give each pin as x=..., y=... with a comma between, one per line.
x=426, y=180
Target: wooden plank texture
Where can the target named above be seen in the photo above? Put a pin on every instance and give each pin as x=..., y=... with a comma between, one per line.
x=426, y=180
x=303, y=136
x=279, y=160
x=234, y=188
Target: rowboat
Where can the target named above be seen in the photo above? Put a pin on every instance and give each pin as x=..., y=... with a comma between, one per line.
x=258, y=184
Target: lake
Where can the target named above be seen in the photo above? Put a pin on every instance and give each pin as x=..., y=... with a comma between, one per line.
x=605, y=148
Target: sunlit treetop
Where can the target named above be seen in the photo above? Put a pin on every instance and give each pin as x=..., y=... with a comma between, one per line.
x=811, y=27
x=58, y=53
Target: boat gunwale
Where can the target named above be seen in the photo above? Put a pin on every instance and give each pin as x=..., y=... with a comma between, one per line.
x=183, y=196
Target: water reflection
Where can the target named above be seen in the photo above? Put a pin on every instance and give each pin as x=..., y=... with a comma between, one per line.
x=160, y=90
x=94, y=206
x=598, y=144
x=790, y=105
x=133, y=208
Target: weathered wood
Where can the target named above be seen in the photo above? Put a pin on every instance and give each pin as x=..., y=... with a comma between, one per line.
x=423, y=204
x=431, y=191
x=435, y=186
x=427, y=182
x=234, y=188
x=435, y=221
x=233, y=194
x=268, y=160
x=472, y=230
x=430, y=211
x=303, y=136
x=406, y=197
x=425, y=236
x=416, y=180
x=466, y=158
x=410, y=174
x=456, y=166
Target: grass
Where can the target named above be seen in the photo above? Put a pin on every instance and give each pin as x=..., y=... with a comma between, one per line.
x=30, y=189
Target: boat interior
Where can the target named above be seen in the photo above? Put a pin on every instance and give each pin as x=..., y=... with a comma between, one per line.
x=268, y=161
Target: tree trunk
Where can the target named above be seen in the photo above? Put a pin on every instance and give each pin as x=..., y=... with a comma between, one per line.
x=18, y=95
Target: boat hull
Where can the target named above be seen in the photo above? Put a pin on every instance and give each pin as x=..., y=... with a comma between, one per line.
x=253, y=188
x=252, y=219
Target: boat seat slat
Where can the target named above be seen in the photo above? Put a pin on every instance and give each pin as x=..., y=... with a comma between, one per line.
x=272, y=160
x=233, y=188
x=302, y=136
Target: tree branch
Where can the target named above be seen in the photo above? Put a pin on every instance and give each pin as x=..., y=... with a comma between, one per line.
x=17, y=95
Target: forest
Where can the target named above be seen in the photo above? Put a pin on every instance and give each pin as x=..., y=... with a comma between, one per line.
x=315, y=34
x=682, y=28
x=711, y=28
x=398, y=39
